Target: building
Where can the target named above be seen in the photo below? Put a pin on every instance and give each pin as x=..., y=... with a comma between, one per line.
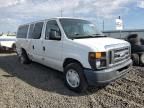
x=124, y=33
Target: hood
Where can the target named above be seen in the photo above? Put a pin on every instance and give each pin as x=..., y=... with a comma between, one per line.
x=100, y=44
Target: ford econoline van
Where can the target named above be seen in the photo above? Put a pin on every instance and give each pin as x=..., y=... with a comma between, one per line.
x=75, y=47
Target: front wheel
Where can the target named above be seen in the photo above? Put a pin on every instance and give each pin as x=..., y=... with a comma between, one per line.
x=24, y=58
x=74, y=77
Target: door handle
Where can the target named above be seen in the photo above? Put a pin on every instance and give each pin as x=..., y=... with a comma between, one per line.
x=33, y=47
x=44, y=48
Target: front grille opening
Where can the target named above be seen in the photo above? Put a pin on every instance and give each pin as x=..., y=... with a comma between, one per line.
x=121, y=54
x=124, y=68
x=110, y=57
x=122, y=49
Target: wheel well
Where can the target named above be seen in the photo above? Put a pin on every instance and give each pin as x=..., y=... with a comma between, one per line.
x=70, y=60
x=13, y=45
x=23, y=50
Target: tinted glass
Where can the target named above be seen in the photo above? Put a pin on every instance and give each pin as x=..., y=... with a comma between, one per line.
x=36, y=34
x=51, y=26
x=31, y=31
x=76, y=28
x=22, y=31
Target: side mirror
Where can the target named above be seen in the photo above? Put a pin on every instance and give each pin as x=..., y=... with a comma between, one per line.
x=54, y=35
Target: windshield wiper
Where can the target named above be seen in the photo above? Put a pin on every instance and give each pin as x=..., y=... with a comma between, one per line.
x=99, y=35
x=79, y=36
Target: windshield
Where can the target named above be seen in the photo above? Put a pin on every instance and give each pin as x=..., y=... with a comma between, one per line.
x=76, y=28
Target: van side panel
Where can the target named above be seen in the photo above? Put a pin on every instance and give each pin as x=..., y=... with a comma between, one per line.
x=22, y=38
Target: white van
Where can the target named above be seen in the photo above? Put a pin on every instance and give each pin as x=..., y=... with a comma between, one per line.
x=75, y=47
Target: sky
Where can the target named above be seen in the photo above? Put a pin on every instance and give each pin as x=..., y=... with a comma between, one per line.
x=16, y=12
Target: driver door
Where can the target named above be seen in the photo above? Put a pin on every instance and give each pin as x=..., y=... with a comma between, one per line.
x=52, y=49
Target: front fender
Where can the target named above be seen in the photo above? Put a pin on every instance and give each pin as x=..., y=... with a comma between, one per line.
x=83, y=59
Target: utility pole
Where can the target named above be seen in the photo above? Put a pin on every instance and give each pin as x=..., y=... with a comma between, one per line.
x=61, y=11
x=120, y=30
x=103, y=25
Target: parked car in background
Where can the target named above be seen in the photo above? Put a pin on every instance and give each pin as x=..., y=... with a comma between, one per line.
x=136, y=39
x=75, y=47
x=7, y=42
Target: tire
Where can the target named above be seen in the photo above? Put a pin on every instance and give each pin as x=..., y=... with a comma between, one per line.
x=137, y=48
x=142, y=59
x=135, y=58
x=24, y=58
x=78, y=77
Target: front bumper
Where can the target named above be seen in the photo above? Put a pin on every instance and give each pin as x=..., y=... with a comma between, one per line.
x=107, y=75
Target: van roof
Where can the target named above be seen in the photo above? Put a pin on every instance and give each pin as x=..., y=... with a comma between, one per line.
x=65, y=18
x=55, y=18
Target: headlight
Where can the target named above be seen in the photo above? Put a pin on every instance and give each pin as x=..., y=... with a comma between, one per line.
x=98, y=63
x=97, y=60
x=101, y=63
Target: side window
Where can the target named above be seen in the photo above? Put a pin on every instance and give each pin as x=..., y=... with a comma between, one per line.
x=22, y=31
x=30, y=31
x=36, y=34
x=51, y=26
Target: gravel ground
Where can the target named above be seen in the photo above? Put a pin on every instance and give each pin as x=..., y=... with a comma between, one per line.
x=36, y=86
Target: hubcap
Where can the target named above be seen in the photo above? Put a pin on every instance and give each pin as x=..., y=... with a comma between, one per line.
x=72, y=78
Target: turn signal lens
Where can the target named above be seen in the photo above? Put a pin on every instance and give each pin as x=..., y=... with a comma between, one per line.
x=96, y=55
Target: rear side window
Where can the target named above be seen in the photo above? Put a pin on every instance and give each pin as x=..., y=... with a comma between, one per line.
x=22, y=31
x=31, y=31
x=36, y=34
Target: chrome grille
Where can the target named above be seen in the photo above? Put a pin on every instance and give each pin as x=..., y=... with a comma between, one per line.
x=121, y=54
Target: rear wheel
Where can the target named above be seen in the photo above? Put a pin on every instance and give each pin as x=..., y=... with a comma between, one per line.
x=74, y=77
x=24, y=58
x=135, y=58
x=142, y=59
